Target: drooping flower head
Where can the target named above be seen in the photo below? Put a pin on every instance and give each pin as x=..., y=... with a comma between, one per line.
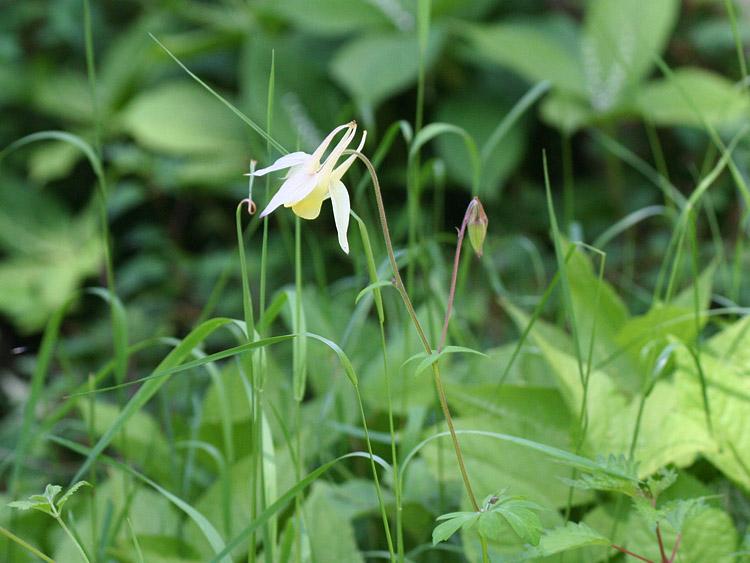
x=311, y=180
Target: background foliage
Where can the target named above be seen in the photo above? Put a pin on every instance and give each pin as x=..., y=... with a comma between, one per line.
x=641, y=109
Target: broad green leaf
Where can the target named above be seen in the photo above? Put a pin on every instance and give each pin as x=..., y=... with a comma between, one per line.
x=375, y=67
x=182, y=118
x=565, y=112
x=619, y=43
x=336, y=17
x=332, y=535
x=731, y=346
x=708, y=535
x=728, y=397
x=149, y=512
x=555, y=56
x=479, y=116
x=712, y=98
x=51, y=161
x=205, y=527
x=49, y=253
x=565, y=538
x=668, y=433
x=532, y=474
x=63, y=94
x=600, y=315
x=141, y=442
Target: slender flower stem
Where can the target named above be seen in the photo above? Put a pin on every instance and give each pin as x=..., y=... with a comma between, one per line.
x=628, y=552
x=454, y=276
x=417, y=325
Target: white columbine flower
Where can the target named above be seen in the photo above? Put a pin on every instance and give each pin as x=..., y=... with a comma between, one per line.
x=309, y=182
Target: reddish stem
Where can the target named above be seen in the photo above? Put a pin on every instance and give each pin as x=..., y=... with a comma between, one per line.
x=454, y=276
x=662, y=551
x=628, y=552
x=677, y=541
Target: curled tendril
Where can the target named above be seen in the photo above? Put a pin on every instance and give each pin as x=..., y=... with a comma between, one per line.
x=251, y=207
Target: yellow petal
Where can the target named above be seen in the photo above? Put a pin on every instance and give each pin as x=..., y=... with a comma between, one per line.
x=309, y=207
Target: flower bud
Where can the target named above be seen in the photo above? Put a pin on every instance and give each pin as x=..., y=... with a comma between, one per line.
x=477, y=225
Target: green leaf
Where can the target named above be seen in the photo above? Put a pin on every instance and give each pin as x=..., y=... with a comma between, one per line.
x=373, y=68
x=520, y=514
x=450, y=526
x=479, y=116
x=555, y=56
x=331, y=533
x=181, y=118
x=51, y=492
x=429, y=359
x=728, y=396
x=620, y=41
x=565, y=538
x=70, y=492
x=565, y=112
x=141, y=442
x=669, y=433
x=712, y=97
x=335, y=17
x=42, y=506
x=49, y=253
x=708, y=535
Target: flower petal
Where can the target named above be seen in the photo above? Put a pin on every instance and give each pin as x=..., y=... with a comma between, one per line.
x=341, y=208
x=320, y=151
x=295, y=188
x=338, y=150
x=309, y=207
x=286, y=161
x=341, y=169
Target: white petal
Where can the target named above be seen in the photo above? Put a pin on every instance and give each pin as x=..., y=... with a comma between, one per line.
x=286, y=161
x=320, y=151
x=341, y=207
x=295, y=188
x=341, y=169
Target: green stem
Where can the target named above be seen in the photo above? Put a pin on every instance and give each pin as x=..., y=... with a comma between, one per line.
x=417, y=325
x=24, y=544
x=394, y=453
x=381, y=501
x=298, y=373
x=72, y=537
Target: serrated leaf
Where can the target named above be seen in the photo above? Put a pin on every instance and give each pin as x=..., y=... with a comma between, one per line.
x=70, y=492
x=28, y=505
x=444, y=531
x=565, y=538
